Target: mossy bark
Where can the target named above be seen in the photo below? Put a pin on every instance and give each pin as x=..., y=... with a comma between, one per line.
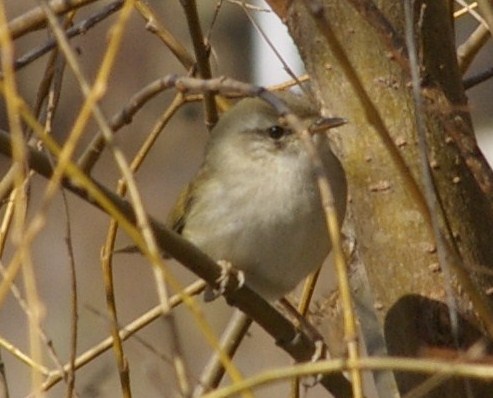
x=394, y=238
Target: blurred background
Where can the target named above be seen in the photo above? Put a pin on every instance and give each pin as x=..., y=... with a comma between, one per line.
x=238, y=51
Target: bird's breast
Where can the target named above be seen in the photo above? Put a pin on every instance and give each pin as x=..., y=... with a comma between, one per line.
x=270, y=225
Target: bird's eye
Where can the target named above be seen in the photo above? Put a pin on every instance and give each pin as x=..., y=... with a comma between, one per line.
x=277, y=132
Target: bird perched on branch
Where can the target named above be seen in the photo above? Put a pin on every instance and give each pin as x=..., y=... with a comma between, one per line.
x=255, y=202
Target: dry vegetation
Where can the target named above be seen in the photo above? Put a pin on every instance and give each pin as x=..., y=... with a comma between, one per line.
x=98, y=134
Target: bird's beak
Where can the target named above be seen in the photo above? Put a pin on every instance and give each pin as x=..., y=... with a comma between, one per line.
x=323, y=124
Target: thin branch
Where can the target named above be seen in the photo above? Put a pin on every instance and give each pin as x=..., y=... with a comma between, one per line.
x=137, y=102
x=478, y=78
x=24, y=305
x=124, y=334
x=486, y=9
x=42, y=333
x=19, y=200
x=419, y=366
x=17, y=353
x=108, y=250
x=466, y=8
x=107, y=270
x=299, y=345
x=289, y=83
x=469, y=8
x=476, y=352
x=124, y=213
x=52, y=81
x=269, y=43
x=79, y=29
x=154, y=26
x=36, y=18
x=202, y=57
x=6, y=186
x=88, y=159
x=429, y=188
x=468, y=50
x=231, y=339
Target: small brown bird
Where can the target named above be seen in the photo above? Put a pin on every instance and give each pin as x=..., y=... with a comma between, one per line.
x=255, y=202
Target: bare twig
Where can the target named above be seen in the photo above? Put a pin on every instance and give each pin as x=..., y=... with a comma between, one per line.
x=202, y=57
x=19, y=204
x=51, y=85
x=426, y=366
x=466, y=8
x=301, y=347
x=36, y=18
x=307, y=293
x=477, y=351
x=92, y=153
x=124, y=333
x=429, y=188
x=289, y=83
x=478, y=78
x=108, y=250
x=91, y=100
x=122, y=211
x=468, y=50
x=79, y=29
x=16, y=352
x=486, y=9
x=42, y=333
x=231, y=339
x=6, y=189
x=107, y=270
x=154, y=26
x=265, y=37
x=469, y=8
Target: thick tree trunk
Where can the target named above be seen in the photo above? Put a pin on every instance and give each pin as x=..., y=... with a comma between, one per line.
x=394, y=236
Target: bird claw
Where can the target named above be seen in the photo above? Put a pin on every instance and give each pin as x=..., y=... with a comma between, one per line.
x=320, y=353
x=223, y=280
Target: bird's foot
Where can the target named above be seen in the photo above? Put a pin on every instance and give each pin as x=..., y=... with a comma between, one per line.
x=224, y=280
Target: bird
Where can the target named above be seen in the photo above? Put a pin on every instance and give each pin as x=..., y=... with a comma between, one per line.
x=255, y=201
